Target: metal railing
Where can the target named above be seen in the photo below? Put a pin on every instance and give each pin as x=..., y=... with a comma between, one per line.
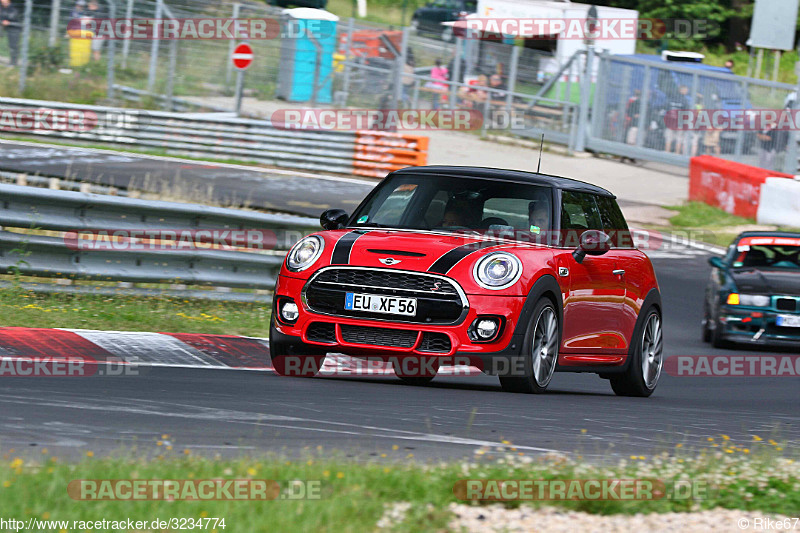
x=36, y=252
x=222, y=136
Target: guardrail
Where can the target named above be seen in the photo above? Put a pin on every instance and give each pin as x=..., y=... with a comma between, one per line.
x=34, y=254
x=220, y=136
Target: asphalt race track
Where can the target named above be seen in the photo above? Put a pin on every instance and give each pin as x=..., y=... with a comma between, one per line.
x=228, y=185
x=215, y=410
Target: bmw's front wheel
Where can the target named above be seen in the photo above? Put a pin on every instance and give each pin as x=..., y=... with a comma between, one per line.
x=646, y=359
x=539, y=353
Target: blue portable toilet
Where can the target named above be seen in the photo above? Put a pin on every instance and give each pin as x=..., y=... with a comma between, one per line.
x=307, y=47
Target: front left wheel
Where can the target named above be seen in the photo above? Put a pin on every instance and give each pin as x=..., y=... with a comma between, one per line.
x=540, y=352
x=646, y=353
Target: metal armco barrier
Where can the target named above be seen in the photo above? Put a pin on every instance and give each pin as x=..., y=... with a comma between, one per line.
x=67, y=211
x=217, y=136
x=378, y=153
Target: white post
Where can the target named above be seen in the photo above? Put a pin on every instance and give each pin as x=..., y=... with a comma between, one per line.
x=55, y=9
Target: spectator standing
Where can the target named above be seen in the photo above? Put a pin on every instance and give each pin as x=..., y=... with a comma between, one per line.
x=440, y=75
x=772, y=141
x=94, y=11
x=11, y=22
x=674, y=137
x=78, y=10
x=408, y=81
x=632, y=111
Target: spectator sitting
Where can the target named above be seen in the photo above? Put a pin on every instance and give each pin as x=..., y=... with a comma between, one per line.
x=474, y=92
x=498, y=91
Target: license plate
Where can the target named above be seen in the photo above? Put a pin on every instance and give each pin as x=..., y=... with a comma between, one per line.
x=392, y=305
x=788, y=321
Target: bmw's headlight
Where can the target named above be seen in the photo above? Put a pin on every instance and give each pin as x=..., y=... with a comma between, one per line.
x=497, y=270
x=755, y=300
x=304, y=253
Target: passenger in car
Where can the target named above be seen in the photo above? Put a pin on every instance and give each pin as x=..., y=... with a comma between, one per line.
x=452, y=219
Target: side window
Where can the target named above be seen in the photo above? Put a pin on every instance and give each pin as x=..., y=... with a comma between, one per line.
x=614, y=222
x=579, y=211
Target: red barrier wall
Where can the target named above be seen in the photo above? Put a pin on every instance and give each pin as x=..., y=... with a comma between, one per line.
x=733, y=187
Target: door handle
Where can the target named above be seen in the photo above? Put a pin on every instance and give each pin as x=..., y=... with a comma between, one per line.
x=618, y=272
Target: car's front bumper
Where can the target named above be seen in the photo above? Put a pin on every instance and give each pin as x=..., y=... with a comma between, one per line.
x=756, y=326
x=507, y=343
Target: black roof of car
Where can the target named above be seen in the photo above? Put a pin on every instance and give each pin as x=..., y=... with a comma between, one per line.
x=766, y=234
x=519, y=176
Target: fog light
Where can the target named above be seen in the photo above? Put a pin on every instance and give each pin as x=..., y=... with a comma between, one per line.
x=289, y=312
x=486, y=329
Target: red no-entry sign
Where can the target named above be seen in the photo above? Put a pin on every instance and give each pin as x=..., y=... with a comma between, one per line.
x=242, y=56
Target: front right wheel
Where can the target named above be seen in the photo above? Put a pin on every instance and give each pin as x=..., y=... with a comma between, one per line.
x=295, y=359
x=646, y=353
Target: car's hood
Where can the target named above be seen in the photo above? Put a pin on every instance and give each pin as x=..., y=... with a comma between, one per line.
x=406, y=250
x=767, y=281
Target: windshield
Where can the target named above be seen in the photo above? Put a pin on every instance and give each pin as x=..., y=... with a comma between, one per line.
x=767, y=256
x=458, y=204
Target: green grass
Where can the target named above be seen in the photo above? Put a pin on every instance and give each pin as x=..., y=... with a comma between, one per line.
x=132, y=313
x=353, y=497
x=707, y=223
x=699, y=214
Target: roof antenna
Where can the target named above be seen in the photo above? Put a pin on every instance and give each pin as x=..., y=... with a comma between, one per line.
x=541, y=145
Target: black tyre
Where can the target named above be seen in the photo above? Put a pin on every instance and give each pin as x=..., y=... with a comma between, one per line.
x=717, y=337
x=706, y=330
x=646, y=359
x=418, y=378
x=539, y=352
x=295, y=359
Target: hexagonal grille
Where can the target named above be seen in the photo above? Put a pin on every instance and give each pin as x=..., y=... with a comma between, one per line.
x=386, y=279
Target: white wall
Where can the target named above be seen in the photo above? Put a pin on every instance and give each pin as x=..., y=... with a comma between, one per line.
x=539, y=10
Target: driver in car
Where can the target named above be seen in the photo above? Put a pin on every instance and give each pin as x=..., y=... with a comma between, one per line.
x=539, y=215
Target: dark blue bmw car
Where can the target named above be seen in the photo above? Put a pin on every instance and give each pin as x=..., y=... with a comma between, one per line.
x=753, y=295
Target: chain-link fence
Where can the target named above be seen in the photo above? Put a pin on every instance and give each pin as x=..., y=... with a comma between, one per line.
x=639, y=104
x=614, y=104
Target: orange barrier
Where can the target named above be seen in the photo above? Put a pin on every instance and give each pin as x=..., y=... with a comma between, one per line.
x=379, y=152
x=731, y=186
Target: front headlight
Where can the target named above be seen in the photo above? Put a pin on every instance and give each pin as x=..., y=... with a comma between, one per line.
x=304, y=253
x=753, y=300
x=497, y=270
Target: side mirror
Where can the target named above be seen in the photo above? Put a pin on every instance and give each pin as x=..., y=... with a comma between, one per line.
x=716, y=262
x=334, y=219
x=593, y=242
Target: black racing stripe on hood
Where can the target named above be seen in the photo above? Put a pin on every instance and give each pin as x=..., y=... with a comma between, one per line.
x=343, y=247
x=449, y=260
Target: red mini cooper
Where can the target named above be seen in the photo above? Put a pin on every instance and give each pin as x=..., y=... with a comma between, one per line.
x=519, y=274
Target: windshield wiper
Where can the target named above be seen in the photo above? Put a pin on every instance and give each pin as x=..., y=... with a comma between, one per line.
x=371, y=225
